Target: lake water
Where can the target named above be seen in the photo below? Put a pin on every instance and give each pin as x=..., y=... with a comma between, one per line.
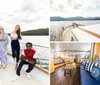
x=55, y=26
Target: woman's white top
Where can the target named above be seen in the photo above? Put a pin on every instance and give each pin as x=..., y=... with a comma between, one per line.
x=14, y=35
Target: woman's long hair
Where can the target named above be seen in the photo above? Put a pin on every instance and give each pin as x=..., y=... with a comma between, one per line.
x=3, y=32
x=19, y=32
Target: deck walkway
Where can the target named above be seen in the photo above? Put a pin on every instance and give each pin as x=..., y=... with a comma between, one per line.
x=7, y=74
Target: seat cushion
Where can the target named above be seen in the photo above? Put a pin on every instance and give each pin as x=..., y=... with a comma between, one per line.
x=89, y=66
x=87, y=78
x=96, y=73
x=82, y=67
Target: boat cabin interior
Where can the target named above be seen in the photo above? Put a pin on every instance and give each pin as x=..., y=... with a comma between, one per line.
x=74, y=63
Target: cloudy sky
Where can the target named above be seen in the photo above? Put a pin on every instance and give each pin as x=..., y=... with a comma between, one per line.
x=71, y=8
x=29, y=14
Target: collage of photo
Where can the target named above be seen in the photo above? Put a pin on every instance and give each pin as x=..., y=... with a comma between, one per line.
x=75, y=42
x=49, y=42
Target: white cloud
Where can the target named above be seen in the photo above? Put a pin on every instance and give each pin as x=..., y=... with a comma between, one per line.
x=69, y=8
x=30, y=14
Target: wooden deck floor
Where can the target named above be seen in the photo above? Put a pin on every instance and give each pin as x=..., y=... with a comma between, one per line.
x=58, y=78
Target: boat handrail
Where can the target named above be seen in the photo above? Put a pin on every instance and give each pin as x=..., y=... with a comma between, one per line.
x=38, y=67
x=75, y=38
x=74, y=25
x=38, y=45
x=86, y=31
x=34, y=45
x=90, y=32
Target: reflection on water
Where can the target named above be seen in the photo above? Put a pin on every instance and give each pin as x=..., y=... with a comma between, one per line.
x=55, y=26
x=42, y=52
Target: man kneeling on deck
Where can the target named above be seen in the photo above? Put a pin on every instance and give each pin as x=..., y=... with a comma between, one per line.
x=26, y=58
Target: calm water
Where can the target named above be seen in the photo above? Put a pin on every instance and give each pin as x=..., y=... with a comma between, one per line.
x=55, y=26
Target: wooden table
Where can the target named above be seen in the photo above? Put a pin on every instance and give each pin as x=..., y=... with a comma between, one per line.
x=68, y=69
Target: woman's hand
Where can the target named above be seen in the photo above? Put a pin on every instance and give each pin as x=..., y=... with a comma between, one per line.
x=2, y=40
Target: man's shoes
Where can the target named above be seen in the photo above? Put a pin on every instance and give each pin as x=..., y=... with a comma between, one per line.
x=28, y=76
x=15, y=78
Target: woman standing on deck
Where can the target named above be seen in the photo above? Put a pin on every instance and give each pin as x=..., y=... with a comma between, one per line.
x=3, y=48
x=15, y=45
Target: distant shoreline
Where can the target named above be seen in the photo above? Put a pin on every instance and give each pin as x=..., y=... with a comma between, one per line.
x=74, y=18
x=38, y=32
x=71, y=20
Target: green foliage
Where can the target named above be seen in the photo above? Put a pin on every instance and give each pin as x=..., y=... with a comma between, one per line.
x=36, y=32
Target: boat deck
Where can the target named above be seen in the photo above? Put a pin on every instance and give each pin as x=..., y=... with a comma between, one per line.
x=7, y=74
